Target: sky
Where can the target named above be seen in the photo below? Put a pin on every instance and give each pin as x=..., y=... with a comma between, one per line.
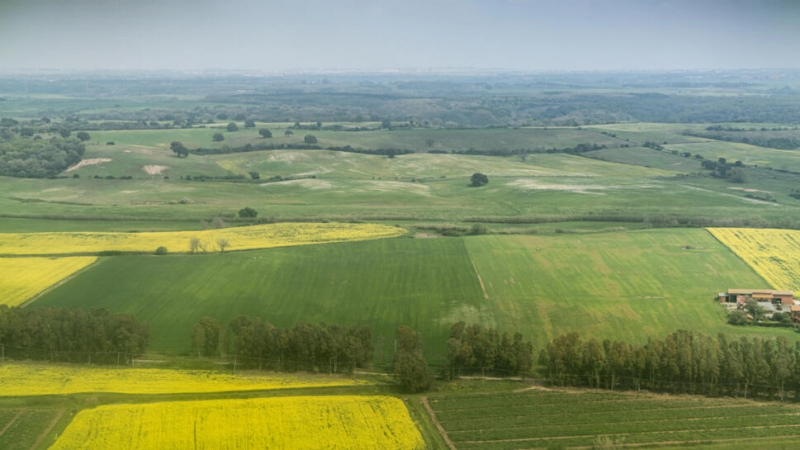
x=373, y=35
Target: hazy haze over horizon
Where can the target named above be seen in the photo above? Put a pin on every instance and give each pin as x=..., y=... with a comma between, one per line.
x=282, y=35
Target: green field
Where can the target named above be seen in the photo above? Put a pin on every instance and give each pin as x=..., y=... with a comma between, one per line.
x=554, y=419
x=24, y=429
x=624, y=285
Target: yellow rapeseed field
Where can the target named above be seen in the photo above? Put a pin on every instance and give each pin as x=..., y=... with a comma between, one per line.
x=18, y=380
x=241, y=238
x=335, y=422
x=773, y=254
x=23, y=278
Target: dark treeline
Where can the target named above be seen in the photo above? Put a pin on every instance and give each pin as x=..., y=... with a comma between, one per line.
x=96, y=336
x=313, y=348
x=37, y=158
x=475, y=349
x=782, y=138
x=682, y=362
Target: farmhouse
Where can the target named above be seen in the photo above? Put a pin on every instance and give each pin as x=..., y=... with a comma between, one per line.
x=740, y=296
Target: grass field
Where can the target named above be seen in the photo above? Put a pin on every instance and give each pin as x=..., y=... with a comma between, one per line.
x=241, y=238
x=23, y=278
x=550, y=419
x=31, y=380
x=608, y=285
x=276, y=423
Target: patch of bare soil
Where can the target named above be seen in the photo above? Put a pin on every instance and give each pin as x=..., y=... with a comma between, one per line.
x=87, y=162
x=426, y=236
x=154, y=169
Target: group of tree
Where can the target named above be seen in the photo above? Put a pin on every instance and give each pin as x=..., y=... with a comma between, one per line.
x=96, y=336
x=313, y=348
x=682, y=362
x=733, y=172
x=43, y=158
x=782, y=138
x=410, y=367
x=179, y=149
x=475, y=349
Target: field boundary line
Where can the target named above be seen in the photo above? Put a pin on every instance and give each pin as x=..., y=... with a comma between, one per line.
x=480, y=280
x=60, y=283
x=11, y=422
x=436, y=422
x=44, y=433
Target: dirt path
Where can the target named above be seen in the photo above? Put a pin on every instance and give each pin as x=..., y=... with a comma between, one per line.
x=87, y=162
x=49, y=428
x=480, y=280
x=11, y=422
x=436, y=422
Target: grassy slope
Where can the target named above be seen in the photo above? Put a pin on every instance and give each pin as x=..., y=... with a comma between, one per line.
x=612, y=285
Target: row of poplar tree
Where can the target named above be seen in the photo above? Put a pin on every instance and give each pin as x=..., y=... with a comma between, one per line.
x=476, y=349
x=71, y=335
x=682, y=362
x=303, y=347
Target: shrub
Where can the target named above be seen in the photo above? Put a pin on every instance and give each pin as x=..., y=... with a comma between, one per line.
x=161, y=251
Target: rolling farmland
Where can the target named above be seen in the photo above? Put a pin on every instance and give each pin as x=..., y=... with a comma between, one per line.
x=278, y=423
x=625, y=286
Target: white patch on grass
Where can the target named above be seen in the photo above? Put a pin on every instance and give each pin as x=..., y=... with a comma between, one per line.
x=397, y=186
x=468, y=314
x=153, y=169
x=308, y=183
x=88, y=162
x=536, y=185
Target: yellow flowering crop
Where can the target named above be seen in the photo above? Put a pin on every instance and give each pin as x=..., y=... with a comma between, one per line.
x=335, y=422
x=23, y=278
x=241, y=238
x=19, y=380
x=773, y=254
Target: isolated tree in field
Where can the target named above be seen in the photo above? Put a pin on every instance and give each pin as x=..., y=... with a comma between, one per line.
x=83, y=136
x=288, y=133
x=255, y=175
x=232, y=127
x=249, y=123
x=205, y=337
x=222, y=243
x=218, y=137
x=310, y=139
x=478, y=179
x=248, y=213
x=410, y=367
x=265, y=133
x=179, y=149
x=195, y=245
x=64, y=133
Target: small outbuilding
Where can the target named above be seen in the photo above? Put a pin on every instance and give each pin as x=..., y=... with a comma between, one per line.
x=795, y=314
x=761, y=295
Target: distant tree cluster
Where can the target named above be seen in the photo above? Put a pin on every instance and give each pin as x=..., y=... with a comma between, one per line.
x=96, y=336
x=31, y=158
x=723, y=169
x=410, y=367
x=475, y=349
x=682, y=362
x=783, y=138
x=323, y=347
x=179, y=149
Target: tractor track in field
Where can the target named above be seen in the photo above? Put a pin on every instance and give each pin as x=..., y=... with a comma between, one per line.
x=49, y=428
x=11, y=422
x=436, y=422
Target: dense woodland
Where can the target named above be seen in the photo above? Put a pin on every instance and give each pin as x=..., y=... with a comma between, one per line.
x=42, y=158
x=682, y=362
x=95, y=336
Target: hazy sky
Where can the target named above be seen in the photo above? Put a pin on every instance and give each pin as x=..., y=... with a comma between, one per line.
x=279, y=35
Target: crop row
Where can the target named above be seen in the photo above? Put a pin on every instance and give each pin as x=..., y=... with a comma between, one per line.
x=23, y=429
x=487, y=423
x=689, y=436
x=630, y=426
x=241, y=238
x=274, y=423
x=24, y=278
x=570, y=408
x=773, y=254
x=52, y=380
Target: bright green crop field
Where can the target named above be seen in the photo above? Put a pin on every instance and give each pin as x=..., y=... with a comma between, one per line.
x=625, y=285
